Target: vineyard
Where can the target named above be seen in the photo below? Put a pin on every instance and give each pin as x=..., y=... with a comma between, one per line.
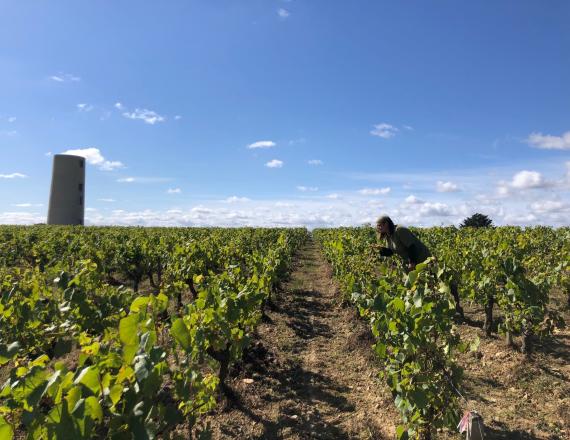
x=176, y=332
x=414, y=316
x=87, y=354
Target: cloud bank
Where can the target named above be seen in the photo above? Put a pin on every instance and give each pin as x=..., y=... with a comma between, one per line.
x=94, y=157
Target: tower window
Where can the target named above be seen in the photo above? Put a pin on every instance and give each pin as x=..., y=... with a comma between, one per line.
x=81, y=201
x=80, y=163
x=80, y=187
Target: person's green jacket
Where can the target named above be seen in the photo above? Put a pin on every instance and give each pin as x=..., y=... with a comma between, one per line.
x=404, y=243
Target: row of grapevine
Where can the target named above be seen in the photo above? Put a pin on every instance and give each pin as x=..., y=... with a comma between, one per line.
x=511, y=268
x=85, y=357
x=414, y=315
x=130, y=254
x=411, y=317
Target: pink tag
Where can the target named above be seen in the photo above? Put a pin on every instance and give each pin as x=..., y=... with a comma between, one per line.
x=464, y=422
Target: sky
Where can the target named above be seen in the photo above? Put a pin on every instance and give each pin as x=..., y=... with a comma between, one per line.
x=288, y=113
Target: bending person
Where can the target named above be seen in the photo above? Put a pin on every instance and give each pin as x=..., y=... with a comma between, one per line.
x=401, y=241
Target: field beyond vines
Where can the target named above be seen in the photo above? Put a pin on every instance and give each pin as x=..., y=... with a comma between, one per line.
x=278, y=333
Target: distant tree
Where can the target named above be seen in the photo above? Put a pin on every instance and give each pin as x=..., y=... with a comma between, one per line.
x=477, y=221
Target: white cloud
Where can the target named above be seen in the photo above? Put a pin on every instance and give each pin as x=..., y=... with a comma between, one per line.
x=94, y=157
x=309, y=213
x=549, y=142
x=528, y=179
x=84, y=107
x=447, y=186
x=440, y=212
x=315, y=162
x=503, y=190
x=484, y=198
x=148, y=116
x=144, y=180
x=65, y=77
x=119, y=106
x=262, y=144
x=260, y=215
x=333, y=196
x=545, y=206
x=202, y=210
x=375, y=191
x=493, y=190
x=283, y=13
x=413, y=200
x=521, y=181
x=174, y=191
x=349, y=210
x=9, y=133
x=275, y=163
x=375, y=203
x=435, y=209
x=307, y=188
x=49, y=154
x=107, y=200
x=384, y=130
x=111, y=165
x=21, y=218
x=28, y=205
x=520, y=219
x=12, y=119
x=236, y=199
x=13, y=176
x=177, y=117
x=408, y=127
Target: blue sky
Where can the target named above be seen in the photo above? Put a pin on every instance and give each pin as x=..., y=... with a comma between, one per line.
x=272, y=112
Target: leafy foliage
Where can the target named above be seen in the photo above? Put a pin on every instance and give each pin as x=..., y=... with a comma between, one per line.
x=412, y=314
x=146, y=362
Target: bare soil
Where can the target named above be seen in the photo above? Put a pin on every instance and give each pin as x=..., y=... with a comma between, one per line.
x=519, y=397
x=311, y=374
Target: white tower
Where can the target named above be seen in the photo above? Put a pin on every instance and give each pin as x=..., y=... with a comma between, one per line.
x=67, y=197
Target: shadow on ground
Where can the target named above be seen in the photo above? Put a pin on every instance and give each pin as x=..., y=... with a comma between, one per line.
x=557, y=346
x=292, y=382
x=304, y=313
x=309, y=400
x=505, y=434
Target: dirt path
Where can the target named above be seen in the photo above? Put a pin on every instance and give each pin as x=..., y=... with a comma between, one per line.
x=311, y=373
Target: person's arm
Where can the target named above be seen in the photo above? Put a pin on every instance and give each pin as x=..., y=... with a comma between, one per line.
x=383, y=250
